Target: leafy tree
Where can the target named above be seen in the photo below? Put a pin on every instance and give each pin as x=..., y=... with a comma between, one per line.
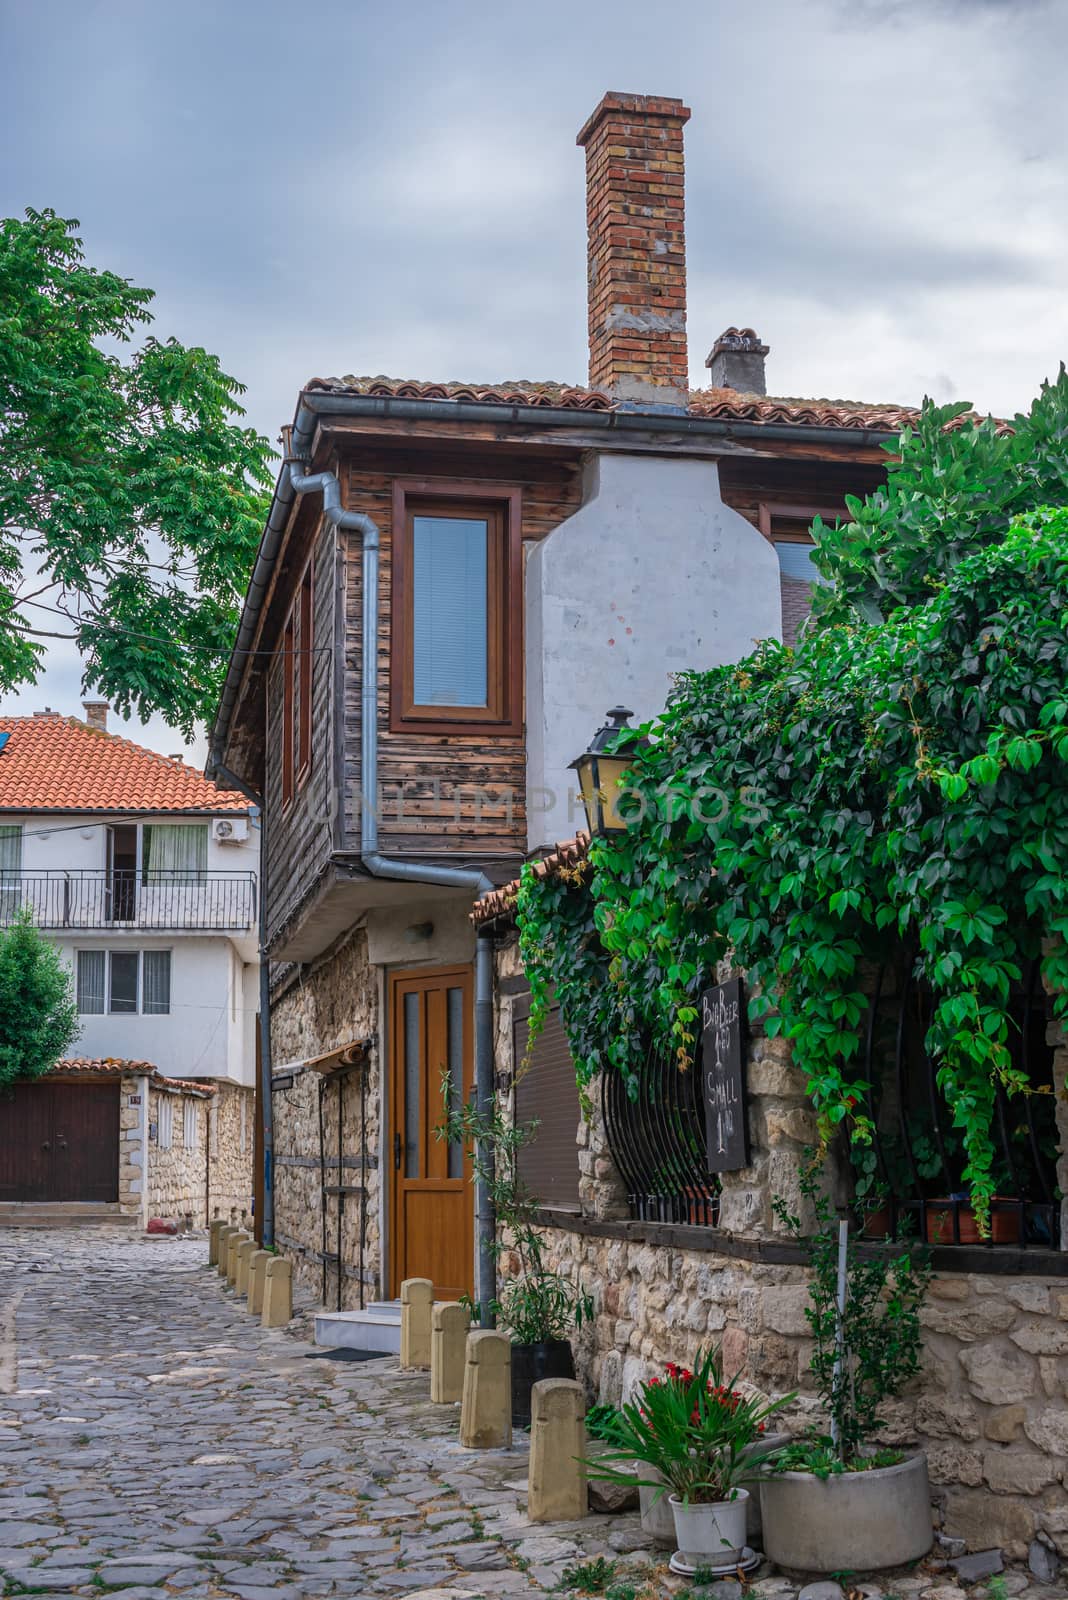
x=891, y=786
x=131, y=500
x=38, y=1013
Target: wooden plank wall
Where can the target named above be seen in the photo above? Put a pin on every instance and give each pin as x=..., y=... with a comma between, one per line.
x=440, y=796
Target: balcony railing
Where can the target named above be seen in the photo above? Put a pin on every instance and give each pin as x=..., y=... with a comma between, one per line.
x=176, y=900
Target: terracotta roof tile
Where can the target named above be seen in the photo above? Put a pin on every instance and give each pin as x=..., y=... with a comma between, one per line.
x=115, y=1067
x=500, y=902
x=54, y=763
x=725, y=404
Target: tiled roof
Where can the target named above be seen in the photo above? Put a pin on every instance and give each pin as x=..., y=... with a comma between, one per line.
x=728, y=405
x=54, y=763
x=501, y=902
x=114, y=1067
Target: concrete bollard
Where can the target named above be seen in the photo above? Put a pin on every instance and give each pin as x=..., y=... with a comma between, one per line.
x=417, y=1296
x=277, y=1293
x=486, y=1411
x=557, y=1476
x=236, y=1239
x=257, y=1269
x=224, y=1239
x=244, y=1252
x=448, y=1351
x=213, y=1241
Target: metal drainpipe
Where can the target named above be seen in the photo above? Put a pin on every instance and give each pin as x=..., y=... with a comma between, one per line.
x=485, y=1090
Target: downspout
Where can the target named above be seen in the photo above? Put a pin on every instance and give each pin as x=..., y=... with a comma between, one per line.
x=380, y=866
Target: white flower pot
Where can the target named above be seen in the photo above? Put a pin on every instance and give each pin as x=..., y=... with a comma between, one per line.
x=657, y=1520
x=868, y=1520
x=711, y=1535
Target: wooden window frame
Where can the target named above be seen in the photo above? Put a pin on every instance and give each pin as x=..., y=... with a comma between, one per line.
x=504, y=664
x=304, y=659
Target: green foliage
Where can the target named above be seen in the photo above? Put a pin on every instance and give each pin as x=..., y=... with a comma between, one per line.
x=698, y=1434
x=868, y=1355
x=535, y=1304
x=600, y=1420
x=588, y=1577
x=131, y=500
x=38, y=1013
x=889, y=786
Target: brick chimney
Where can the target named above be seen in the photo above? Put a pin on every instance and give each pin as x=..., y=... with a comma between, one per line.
x=635, y=212
x=736, y=361
x=96, y=714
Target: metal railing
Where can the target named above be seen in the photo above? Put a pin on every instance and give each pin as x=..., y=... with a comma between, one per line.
x=169, y=900
x=657, y=1139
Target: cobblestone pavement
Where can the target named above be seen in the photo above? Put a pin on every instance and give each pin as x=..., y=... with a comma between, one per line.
x=155, y=1440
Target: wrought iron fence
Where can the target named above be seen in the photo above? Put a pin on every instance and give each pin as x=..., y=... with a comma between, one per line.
x=910, y=1181
x=165, y=900
x=657, y=1139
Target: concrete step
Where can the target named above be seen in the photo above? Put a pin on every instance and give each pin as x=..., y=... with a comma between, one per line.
x=62, y=1214
x=377, y=1327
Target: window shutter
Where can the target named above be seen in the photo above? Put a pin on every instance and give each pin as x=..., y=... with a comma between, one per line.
x=548, y=1165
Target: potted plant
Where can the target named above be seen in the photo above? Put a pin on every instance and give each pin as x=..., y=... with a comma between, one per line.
x=838, y=1501
x=696, y=1440
x=538, y=1306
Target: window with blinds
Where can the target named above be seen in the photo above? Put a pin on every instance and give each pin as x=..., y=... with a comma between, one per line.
x=547, y=1092
x=123, y=981
x=165, y=1122
x=189, y=1124
x=91, y=982
x=156, y=983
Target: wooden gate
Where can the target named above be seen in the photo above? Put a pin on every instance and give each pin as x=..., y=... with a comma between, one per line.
x=60, y=1141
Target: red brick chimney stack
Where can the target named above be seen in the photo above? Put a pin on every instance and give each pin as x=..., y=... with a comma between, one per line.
x=635, y=209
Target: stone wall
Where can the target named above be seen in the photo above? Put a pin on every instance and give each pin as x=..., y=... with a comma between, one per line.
x=991, y=1406
x=177, y=1174
x=133, y=1119
x=330, y=1006
x=232, y=1130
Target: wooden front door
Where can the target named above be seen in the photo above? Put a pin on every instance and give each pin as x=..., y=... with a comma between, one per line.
x=433, y=1199
x=60, y=1141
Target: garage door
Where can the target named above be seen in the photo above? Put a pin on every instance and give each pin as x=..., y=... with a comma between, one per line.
x=59, y=1141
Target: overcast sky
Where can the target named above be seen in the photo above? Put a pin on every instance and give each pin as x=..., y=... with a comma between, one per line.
x=878, y=186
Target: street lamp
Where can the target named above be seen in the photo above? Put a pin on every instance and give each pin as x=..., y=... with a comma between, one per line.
x=600, y=770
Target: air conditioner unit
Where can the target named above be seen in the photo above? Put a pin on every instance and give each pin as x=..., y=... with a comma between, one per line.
x=230, y=830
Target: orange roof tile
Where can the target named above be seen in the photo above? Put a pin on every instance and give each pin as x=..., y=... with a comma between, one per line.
x=54, y=763
x=114, y=1067
x=725, y=404
x=571, y=853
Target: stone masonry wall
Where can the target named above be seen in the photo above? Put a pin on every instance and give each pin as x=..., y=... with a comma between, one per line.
x=131, y=1153
x=176, y=1175
x=991, y=1407
x=333, y=1005
x=232, y=1118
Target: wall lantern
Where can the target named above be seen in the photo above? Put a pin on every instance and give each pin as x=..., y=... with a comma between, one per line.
x=601, y=768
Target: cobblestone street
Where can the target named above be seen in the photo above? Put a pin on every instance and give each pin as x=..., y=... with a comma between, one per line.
x=156, y=1440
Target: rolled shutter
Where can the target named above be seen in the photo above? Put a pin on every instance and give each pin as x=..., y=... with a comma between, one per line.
x=548, y=1092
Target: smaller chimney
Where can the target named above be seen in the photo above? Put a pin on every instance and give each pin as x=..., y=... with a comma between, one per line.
x=96, y=714
x=47, y=712
x=736, y=361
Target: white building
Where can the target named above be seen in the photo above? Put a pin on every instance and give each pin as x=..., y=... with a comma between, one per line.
x=146, y=876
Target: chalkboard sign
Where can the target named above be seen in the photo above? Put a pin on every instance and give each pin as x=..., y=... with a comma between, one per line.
x=723, y=1076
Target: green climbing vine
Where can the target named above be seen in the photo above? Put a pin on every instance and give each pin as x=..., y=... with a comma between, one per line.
x=897, y=782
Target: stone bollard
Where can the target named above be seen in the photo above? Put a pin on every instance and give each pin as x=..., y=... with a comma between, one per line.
x=486, y=1412
x=236, y=1239
x=448, y=1351
x=277, y=1293
x=257, y=1269
x=224, y=1241
x=216, y=1228
x=244, y=1252
x=557, y=1476
x=417, y=1295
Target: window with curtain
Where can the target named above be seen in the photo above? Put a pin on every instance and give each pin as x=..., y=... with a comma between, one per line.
x=455, y=642
x=189, y=1124
x=91, y=982
x=165, y=1122
x=10, y=869
x=175, y=853
x=156, y=983
x=122, y=980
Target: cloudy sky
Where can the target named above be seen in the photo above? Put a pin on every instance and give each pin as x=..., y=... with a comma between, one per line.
x=878, y=186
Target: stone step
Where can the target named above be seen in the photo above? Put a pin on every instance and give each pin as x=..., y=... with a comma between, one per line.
x=377, y=1327
x=62, y=1214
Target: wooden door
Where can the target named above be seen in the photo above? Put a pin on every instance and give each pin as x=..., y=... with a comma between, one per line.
x=433, y=1197
x=60, y=1141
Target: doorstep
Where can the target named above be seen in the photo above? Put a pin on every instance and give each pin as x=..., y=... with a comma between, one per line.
x=377, y=1327
x=63, y=1214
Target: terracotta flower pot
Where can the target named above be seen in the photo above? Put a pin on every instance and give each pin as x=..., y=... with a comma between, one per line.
x=1004, y=1225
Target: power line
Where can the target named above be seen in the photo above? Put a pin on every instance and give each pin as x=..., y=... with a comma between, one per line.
x=159, y=638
